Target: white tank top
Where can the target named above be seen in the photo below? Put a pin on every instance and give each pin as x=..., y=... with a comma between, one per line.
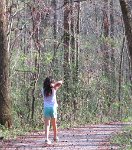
x=50, y=101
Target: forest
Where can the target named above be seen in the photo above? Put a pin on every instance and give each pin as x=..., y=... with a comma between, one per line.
x=85, y=43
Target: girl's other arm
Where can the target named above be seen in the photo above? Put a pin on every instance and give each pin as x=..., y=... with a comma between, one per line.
x=57, y=84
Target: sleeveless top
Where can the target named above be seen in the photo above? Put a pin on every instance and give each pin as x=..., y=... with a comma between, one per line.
x=50, y=101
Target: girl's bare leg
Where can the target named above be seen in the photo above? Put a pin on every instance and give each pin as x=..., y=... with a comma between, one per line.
x=54, y=125
x=47, y=127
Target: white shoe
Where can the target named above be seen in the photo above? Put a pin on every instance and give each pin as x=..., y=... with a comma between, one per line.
x=56, y=139
x=47, y=141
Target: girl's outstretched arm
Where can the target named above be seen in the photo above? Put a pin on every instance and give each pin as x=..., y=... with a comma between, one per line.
x=57, y=84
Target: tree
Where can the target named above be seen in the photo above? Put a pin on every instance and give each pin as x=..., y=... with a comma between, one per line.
x=126, y=13
x=113, y=79
x=5, y=103
x=128, y=26
x=66, y=43
x=106, y=35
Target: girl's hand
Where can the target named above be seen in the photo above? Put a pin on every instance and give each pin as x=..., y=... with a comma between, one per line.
x=57, y=84
x=52, y=85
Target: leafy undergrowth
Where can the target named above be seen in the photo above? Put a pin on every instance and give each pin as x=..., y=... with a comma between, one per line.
x=123, y=139
x=14, y=132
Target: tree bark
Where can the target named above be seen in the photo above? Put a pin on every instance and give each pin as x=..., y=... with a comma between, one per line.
x=77, y=41
x=106, y=35
x=112, y=55
x=126, y=13
x=55, y=30
x=66, y=43
x=5, y=103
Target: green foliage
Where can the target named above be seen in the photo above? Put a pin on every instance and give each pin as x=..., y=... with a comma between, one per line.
x=11, y=133
x=48, y=58
x=15, y=132
x=95, y=98
x=124, y=139
x=127, y=119
x=110, y=41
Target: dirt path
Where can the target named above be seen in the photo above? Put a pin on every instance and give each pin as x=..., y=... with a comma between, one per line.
x=91, y=137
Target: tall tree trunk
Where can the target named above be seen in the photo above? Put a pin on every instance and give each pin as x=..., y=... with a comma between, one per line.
x=36, y=19
x=120, y=78
x=77, y=40
x=54, y=5
x=128, y=26
x=112, y=48
x=72, y=40
x=54, y=62
x=5, y=103
x=112, y=55
x=106, y=35
x=76, y=30
x=106, y=55
x=66, y=43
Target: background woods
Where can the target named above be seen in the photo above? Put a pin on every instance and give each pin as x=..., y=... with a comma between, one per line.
x=85, y=43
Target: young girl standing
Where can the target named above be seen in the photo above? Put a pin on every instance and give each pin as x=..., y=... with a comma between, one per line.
x=50, y=106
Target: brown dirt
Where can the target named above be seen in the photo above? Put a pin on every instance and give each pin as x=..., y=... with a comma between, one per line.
x=91, y=137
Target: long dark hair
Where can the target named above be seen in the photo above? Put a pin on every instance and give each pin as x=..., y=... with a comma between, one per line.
x=47, y=86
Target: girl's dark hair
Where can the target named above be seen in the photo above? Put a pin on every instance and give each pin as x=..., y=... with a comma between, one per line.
x=47, y=86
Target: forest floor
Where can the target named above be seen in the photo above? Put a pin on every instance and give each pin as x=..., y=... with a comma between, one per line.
x=90, y=137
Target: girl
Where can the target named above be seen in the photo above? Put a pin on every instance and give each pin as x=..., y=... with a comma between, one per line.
x=50, y=106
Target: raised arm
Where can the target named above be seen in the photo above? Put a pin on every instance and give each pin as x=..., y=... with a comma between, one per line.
x=57, y=84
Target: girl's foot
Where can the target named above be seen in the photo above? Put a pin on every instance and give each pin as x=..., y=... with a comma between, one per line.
x=47, y=141
x=56, y=139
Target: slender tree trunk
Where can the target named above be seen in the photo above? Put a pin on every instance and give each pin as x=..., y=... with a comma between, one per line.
x=66, y=49
x=73, y=57
x=112, y=55
x=36, y=19
x=112, y=36
x=106, y=35
x=54, y=4
x=120, y=77
x=72, y=43
x=76, y=64
x=77, y=40
x=5, y=103
x=54, y=62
